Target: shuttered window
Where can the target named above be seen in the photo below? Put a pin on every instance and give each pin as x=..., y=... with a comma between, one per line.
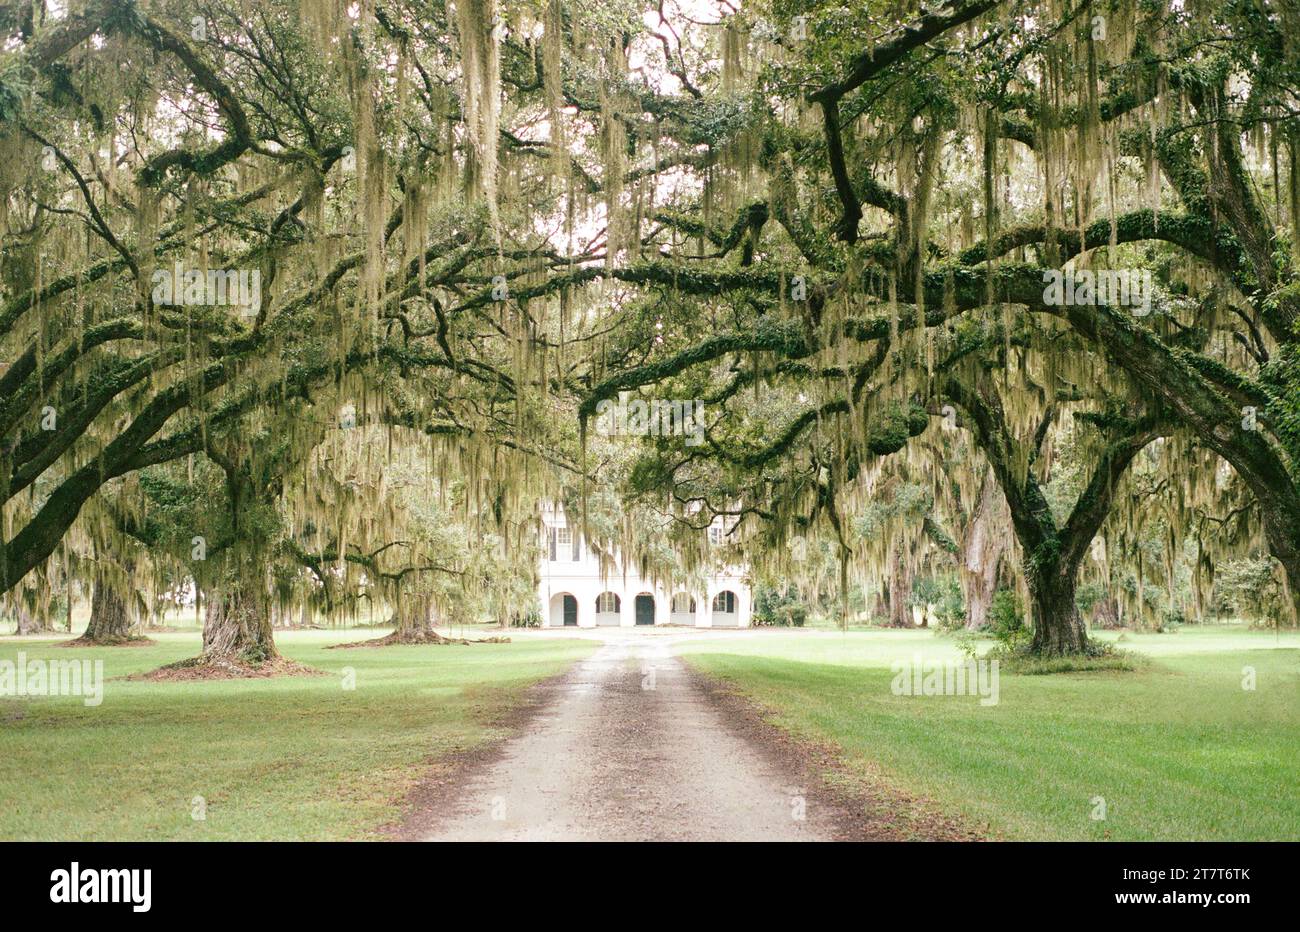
x=562, y=544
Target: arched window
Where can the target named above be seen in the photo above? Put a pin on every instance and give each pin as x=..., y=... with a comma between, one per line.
x=725, y=601
x=607, y=603
x=683, y=604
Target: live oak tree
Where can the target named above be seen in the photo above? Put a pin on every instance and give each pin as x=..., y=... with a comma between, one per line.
x=924, y=168
x=478, y=220
x=322, y=155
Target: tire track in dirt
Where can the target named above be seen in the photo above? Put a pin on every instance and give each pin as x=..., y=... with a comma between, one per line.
x=630, y=746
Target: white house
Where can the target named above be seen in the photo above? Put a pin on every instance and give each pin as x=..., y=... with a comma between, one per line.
x=573, y=592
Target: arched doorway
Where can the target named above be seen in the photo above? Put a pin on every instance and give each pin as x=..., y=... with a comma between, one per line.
x=563, y=611
x=645, y=609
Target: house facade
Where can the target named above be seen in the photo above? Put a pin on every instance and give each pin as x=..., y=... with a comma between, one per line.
x=573, y=592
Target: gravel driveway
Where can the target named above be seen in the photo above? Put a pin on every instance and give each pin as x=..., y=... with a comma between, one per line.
x=628, y=747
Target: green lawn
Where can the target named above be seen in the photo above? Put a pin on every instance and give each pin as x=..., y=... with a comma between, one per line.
x=1178, y=750
x=286, y=758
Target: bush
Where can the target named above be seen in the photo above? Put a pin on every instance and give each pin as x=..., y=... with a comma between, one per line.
x=967, y=642
x=944, y=594
x=1171, y=620
x=779, y=609
x=533, y=619
x=1007, y=619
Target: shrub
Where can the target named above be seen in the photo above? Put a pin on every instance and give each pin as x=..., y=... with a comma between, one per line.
x=967, y=642
x=532, y=619
x=944, y=594
x=1171, y=620
x=780, y=609
x=1007, y=619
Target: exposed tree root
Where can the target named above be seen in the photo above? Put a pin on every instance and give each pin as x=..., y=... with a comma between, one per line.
x=129, y=640
x=227, y=668
x=420, y=637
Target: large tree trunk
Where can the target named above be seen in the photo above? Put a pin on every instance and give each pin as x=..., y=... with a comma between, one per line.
x=237, y=628
x=1058, y=626
x=979, y=585
x=900, y=590
x=29, y=622
x=982, y=551
x=413, y=624
x=32, y=611
x=110, y=621
x=1106, y=614
x=880, y=604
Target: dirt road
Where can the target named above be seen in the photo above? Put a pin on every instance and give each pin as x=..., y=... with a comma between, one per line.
x=628, y=747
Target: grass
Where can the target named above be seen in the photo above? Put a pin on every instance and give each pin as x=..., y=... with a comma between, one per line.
x=287, y=758
x=1177, y=748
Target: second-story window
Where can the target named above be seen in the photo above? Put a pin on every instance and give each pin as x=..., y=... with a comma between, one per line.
x=562, y=544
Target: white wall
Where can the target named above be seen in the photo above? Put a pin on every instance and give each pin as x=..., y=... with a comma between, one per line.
x=582, y=579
